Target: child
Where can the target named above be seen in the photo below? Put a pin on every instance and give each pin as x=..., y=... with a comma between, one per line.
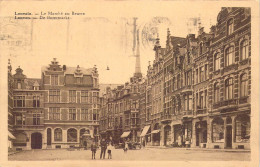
x=109, y=151
x=93, y=149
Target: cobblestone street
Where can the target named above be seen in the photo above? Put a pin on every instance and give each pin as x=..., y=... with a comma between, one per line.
x=155, y=154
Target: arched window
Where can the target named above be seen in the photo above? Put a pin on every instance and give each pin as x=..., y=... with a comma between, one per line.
x=218, y=130
x=216, y=92
x=230, y=26
x=58, y=134
x=244, y=49
x=217, y=61
x=229, y=56
x=72, y=135
x=242, y=128
x=229, y=88
x=243, y=85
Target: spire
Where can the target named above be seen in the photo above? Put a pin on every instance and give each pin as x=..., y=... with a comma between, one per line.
x=157, y=43
x=9, y=66
x=138, y=63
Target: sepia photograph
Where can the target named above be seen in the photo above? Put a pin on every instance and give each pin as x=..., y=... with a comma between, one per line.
x=167, y=86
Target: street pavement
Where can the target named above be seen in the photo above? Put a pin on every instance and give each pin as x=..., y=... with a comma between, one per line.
x=146, y=154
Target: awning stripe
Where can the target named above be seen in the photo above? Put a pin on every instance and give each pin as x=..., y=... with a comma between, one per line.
x=145, y=130
x=11, y=135
x=125, y=134
x=156, y=131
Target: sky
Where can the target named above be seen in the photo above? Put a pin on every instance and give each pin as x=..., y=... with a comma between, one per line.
x=101, y=41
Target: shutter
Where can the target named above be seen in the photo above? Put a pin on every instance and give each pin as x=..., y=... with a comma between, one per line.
x=45, y=113
x=64, y=113
x=78, y=114
x=78, y=97
x=64, y=96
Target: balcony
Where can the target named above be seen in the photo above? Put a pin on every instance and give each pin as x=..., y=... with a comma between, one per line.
x=166, y=118
x=201, y=111
x=244, y=100
x=187, y=113
x=225, y=103
x=29, y=127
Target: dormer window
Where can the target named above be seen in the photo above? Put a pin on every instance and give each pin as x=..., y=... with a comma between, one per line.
x=19, y=84
x=230, y=26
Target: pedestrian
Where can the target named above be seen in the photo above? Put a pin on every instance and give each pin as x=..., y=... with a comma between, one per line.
x=143, y=143
x=126, y=147
x=109, y=151
x=103, y=145
x=93, y=149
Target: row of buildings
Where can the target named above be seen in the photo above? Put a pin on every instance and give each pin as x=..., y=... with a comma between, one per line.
x=54, y=111
x=195, y=93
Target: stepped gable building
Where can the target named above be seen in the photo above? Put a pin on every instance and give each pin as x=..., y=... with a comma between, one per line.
x=53, y=111
x=71, y=104
x=28, y=111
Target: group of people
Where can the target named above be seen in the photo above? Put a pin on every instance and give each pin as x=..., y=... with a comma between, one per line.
x=104, y=146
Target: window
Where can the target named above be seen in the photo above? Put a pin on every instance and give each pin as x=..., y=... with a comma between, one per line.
x=244, y=85
x=72, y=114
x=84, y=96
x=95, y=115
x=19, y=119
x=216, y=92
x=19, y=101
x=206, y=71
x=54, y=79
x=54, y=113
x=84, y=114
x=95, y=97
x=72, y=96
x=188, y=78
x=218, y=130
x=79, y=80
x=72, y=135
x=188, y=102
x=230, y=26
x=19, y=84
x=244, y=49
x=36, y=119
x=58, y=134
x=188, y=58
x=242, y=128
x=217, y=61
x=197, y=76
x=202, y=74
x=229, y=88
x=90, y=97
x=54, y=95
x=230, y=56
x=201, y=100
x=178, y=81
x=201, y=44
x=36, y=101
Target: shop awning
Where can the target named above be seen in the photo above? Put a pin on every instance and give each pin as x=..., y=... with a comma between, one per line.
x=145, y=130
x=155, y=131
x=125, y=134
x=11, y=135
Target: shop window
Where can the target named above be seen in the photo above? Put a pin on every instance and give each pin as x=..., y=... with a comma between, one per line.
x=58, y=134
x=218, y=130
x=242, y=128
x=72, y=135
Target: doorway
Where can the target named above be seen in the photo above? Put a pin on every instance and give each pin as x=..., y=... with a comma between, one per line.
x=229, y=137
x=36, y=141
x=48, y=136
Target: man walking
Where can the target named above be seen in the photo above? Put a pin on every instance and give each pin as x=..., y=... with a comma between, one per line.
x=103, y=145
x=93, y=149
